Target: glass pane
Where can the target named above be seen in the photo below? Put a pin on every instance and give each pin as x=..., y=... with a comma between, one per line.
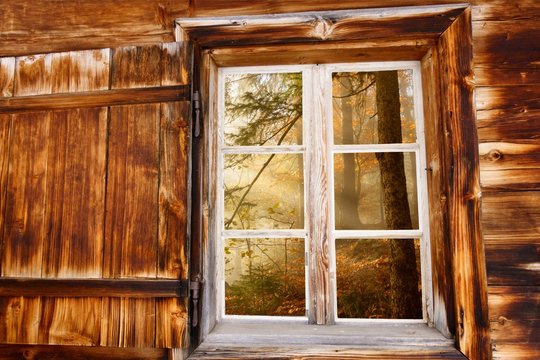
x=263, y=109
x=263, y=191
x=375, y=191
x=265, y=277
x=357, y=97
x=378, y=278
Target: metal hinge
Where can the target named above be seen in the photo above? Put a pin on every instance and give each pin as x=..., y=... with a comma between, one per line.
x=197, y=113
x=195, y=289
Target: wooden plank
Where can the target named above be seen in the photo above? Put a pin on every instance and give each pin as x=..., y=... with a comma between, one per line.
x=5, y=130
x=128, y=322
x=131, y=246
x=510, y=165
x=94, y=99
x=524, y=98
x=172, y=323
x=76, y=191
x=54, y=352
x=33, y=75
x=89, y=70
x=242, y=7
x=174, y=172
x=515, y=320
x=491, y=75
x=512, y=261
x=412, y=22
x=68, y=321
x=24, y=228
x=235, y=351
x=324, y=52
x=510, y=124
x=34, y=27
x=176, y=63
x=494, y=41
x=136, y=66
x=7, y=74
x=19, y=317
x=505, y=10
x=509, y=215
x=133, y=288
x=462, y=164
x=443, y=298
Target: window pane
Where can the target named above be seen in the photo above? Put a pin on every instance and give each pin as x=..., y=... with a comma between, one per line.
x=375, y=191
x=265, y=277
x=263, y=109
x=263, y=191
x=357, y=119
x=378, y=278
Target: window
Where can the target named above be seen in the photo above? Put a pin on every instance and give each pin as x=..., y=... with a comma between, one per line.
x=322, y=197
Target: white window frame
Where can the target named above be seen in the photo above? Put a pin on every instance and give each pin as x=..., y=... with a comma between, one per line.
x=317, y=87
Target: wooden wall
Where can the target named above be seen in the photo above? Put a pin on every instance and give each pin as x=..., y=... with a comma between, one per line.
x=507, y=69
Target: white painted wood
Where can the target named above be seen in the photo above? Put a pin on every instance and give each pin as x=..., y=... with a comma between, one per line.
x=377, y=234
x=260, y=234
x=371, y=148
x=280, y=149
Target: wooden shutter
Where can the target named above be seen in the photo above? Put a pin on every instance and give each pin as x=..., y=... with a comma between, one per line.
x=94, y=168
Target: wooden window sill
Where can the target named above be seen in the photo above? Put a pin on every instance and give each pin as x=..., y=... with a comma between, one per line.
x=234, y=339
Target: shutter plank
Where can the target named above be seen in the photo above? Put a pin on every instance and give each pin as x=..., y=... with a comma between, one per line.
x=171, y=323
x=89, y=70
x=24, y=230
x=176, y=60
x=132, y=183
x=5, y=129
x=7, y=73
x=19, y=318
x=76, y=194
x=173, y=190
x=33, y=75
x=136, y=66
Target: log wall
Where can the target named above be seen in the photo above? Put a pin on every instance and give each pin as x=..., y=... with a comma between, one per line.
x=507, y=75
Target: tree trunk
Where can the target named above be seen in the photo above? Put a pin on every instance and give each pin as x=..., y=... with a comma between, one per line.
x=404, y=297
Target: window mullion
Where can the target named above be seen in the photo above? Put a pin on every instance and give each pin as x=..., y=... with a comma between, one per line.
x=320, y=294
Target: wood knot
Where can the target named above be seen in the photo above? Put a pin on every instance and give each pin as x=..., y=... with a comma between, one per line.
x=322, y=28
x=494, y=155
x=502, y=320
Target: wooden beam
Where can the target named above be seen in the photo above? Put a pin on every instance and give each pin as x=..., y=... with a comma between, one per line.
x=139, y=288
x=51, y=352
x=95, y=99
x=341, y=25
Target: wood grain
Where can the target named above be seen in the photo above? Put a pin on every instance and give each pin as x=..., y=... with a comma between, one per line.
x=132, y=288
x=172, y=326
x=136, y=66
x=76, y=191
x=128, y=322
x=24, y=228
x=462, y=163
x=512, y=261
x=5, y=130
x=7, y=74
x=19, y=317
x=33, y=75
x=89, y=70
x=55, y=352
x=94, y=99
x=177, y=62
x=174, y=172
x=347, y=25
x=509, y=124
x=131, y=245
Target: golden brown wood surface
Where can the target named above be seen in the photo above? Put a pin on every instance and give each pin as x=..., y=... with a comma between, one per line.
x=55, y=352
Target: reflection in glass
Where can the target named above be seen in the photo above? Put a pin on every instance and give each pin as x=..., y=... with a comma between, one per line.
x=372, y=272
x=375, y=191
x=355, y=107
x=263, y=109
x=263, y=191
x=265, y=277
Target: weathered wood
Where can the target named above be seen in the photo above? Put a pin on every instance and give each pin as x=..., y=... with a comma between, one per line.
x=412, y=22
x=491, y=75
x=89, y=24
x=173, y=189
x=510, y=124
x=5, y=130
x=508, y=215
x=172, y=323
x=176, y=61
x=76, y=194
x=128, y=322
x=54, y=352
x=94, y=99
x=441, y=250
x=510, y=166
x=133, y=288
x=515, y=321
x=136, y=66
x=505, y=10
x=324, y=52
x=131, y=228
x=242, y=7
x=19, y=317
x=33, y=75
x=70, y=321
x=89, y=70
x=24, y=228
x=7, y=74
x=524, y=98
x=461, y=162
x=512, y=261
